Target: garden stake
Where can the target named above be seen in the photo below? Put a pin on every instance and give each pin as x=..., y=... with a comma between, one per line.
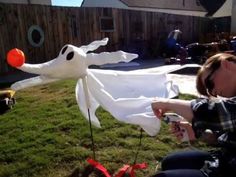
x=88, y=106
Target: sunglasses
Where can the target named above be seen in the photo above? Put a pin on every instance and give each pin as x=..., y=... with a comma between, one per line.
x=209, y=84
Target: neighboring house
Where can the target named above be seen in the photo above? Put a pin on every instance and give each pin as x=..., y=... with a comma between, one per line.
x=221, y=8
x=43, y=2
x=181, y=7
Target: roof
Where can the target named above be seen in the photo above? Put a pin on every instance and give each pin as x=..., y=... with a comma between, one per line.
x=165, y=4
x=178, y=7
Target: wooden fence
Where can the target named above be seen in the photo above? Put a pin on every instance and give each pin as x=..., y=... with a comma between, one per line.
x=137, y=31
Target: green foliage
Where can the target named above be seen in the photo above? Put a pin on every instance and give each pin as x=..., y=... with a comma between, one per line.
x=46, y=135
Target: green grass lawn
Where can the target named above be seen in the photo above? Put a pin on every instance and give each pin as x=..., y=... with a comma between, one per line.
x=46, y=135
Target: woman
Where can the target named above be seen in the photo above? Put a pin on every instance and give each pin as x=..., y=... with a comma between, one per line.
x=212, y=118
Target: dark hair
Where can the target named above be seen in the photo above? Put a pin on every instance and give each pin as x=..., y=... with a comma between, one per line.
x=211, y=63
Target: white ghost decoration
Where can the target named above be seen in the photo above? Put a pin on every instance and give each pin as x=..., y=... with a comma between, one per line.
x=126, y=95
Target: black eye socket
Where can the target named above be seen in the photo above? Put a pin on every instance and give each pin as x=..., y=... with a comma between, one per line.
x=70, y=56
x=64, y=49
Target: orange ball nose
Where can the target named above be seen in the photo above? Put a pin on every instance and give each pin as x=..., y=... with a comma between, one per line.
x=15, y=57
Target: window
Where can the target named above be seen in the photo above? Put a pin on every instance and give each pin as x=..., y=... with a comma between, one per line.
x=107, y=24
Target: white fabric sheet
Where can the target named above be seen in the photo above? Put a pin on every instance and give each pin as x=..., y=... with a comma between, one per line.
x=126, y=95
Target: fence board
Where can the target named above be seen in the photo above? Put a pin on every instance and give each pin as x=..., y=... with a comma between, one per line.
x=80, y=26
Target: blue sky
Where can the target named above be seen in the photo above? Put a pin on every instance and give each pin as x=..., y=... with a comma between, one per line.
x=67, y=2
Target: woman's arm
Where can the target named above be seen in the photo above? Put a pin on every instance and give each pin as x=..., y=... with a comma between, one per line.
x=185, y=109
x=181, y=107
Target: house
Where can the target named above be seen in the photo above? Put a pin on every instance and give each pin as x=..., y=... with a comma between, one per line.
x=43, y=2
x=180, y=7
x=201, y=8
x=225, y=8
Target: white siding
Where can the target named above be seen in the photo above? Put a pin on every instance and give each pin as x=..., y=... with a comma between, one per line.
x=45, y=2
x=14, y=1
x=104, y=3
x=160, y=4
x=168, y=4
x=225, y=10
x=176, y=12
x=164, y=6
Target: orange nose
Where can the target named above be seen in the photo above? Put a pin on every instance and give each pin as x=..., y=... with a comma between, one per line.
x=15, y=57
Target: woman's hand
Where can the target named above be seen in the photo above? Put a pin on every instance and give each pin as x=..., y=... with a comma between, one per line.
x=178, y=129
x=159, y=107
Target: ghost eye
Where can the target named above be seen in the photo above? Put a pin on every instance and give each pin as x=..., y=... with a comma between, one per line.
x=64, y=49
x=70, y=56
